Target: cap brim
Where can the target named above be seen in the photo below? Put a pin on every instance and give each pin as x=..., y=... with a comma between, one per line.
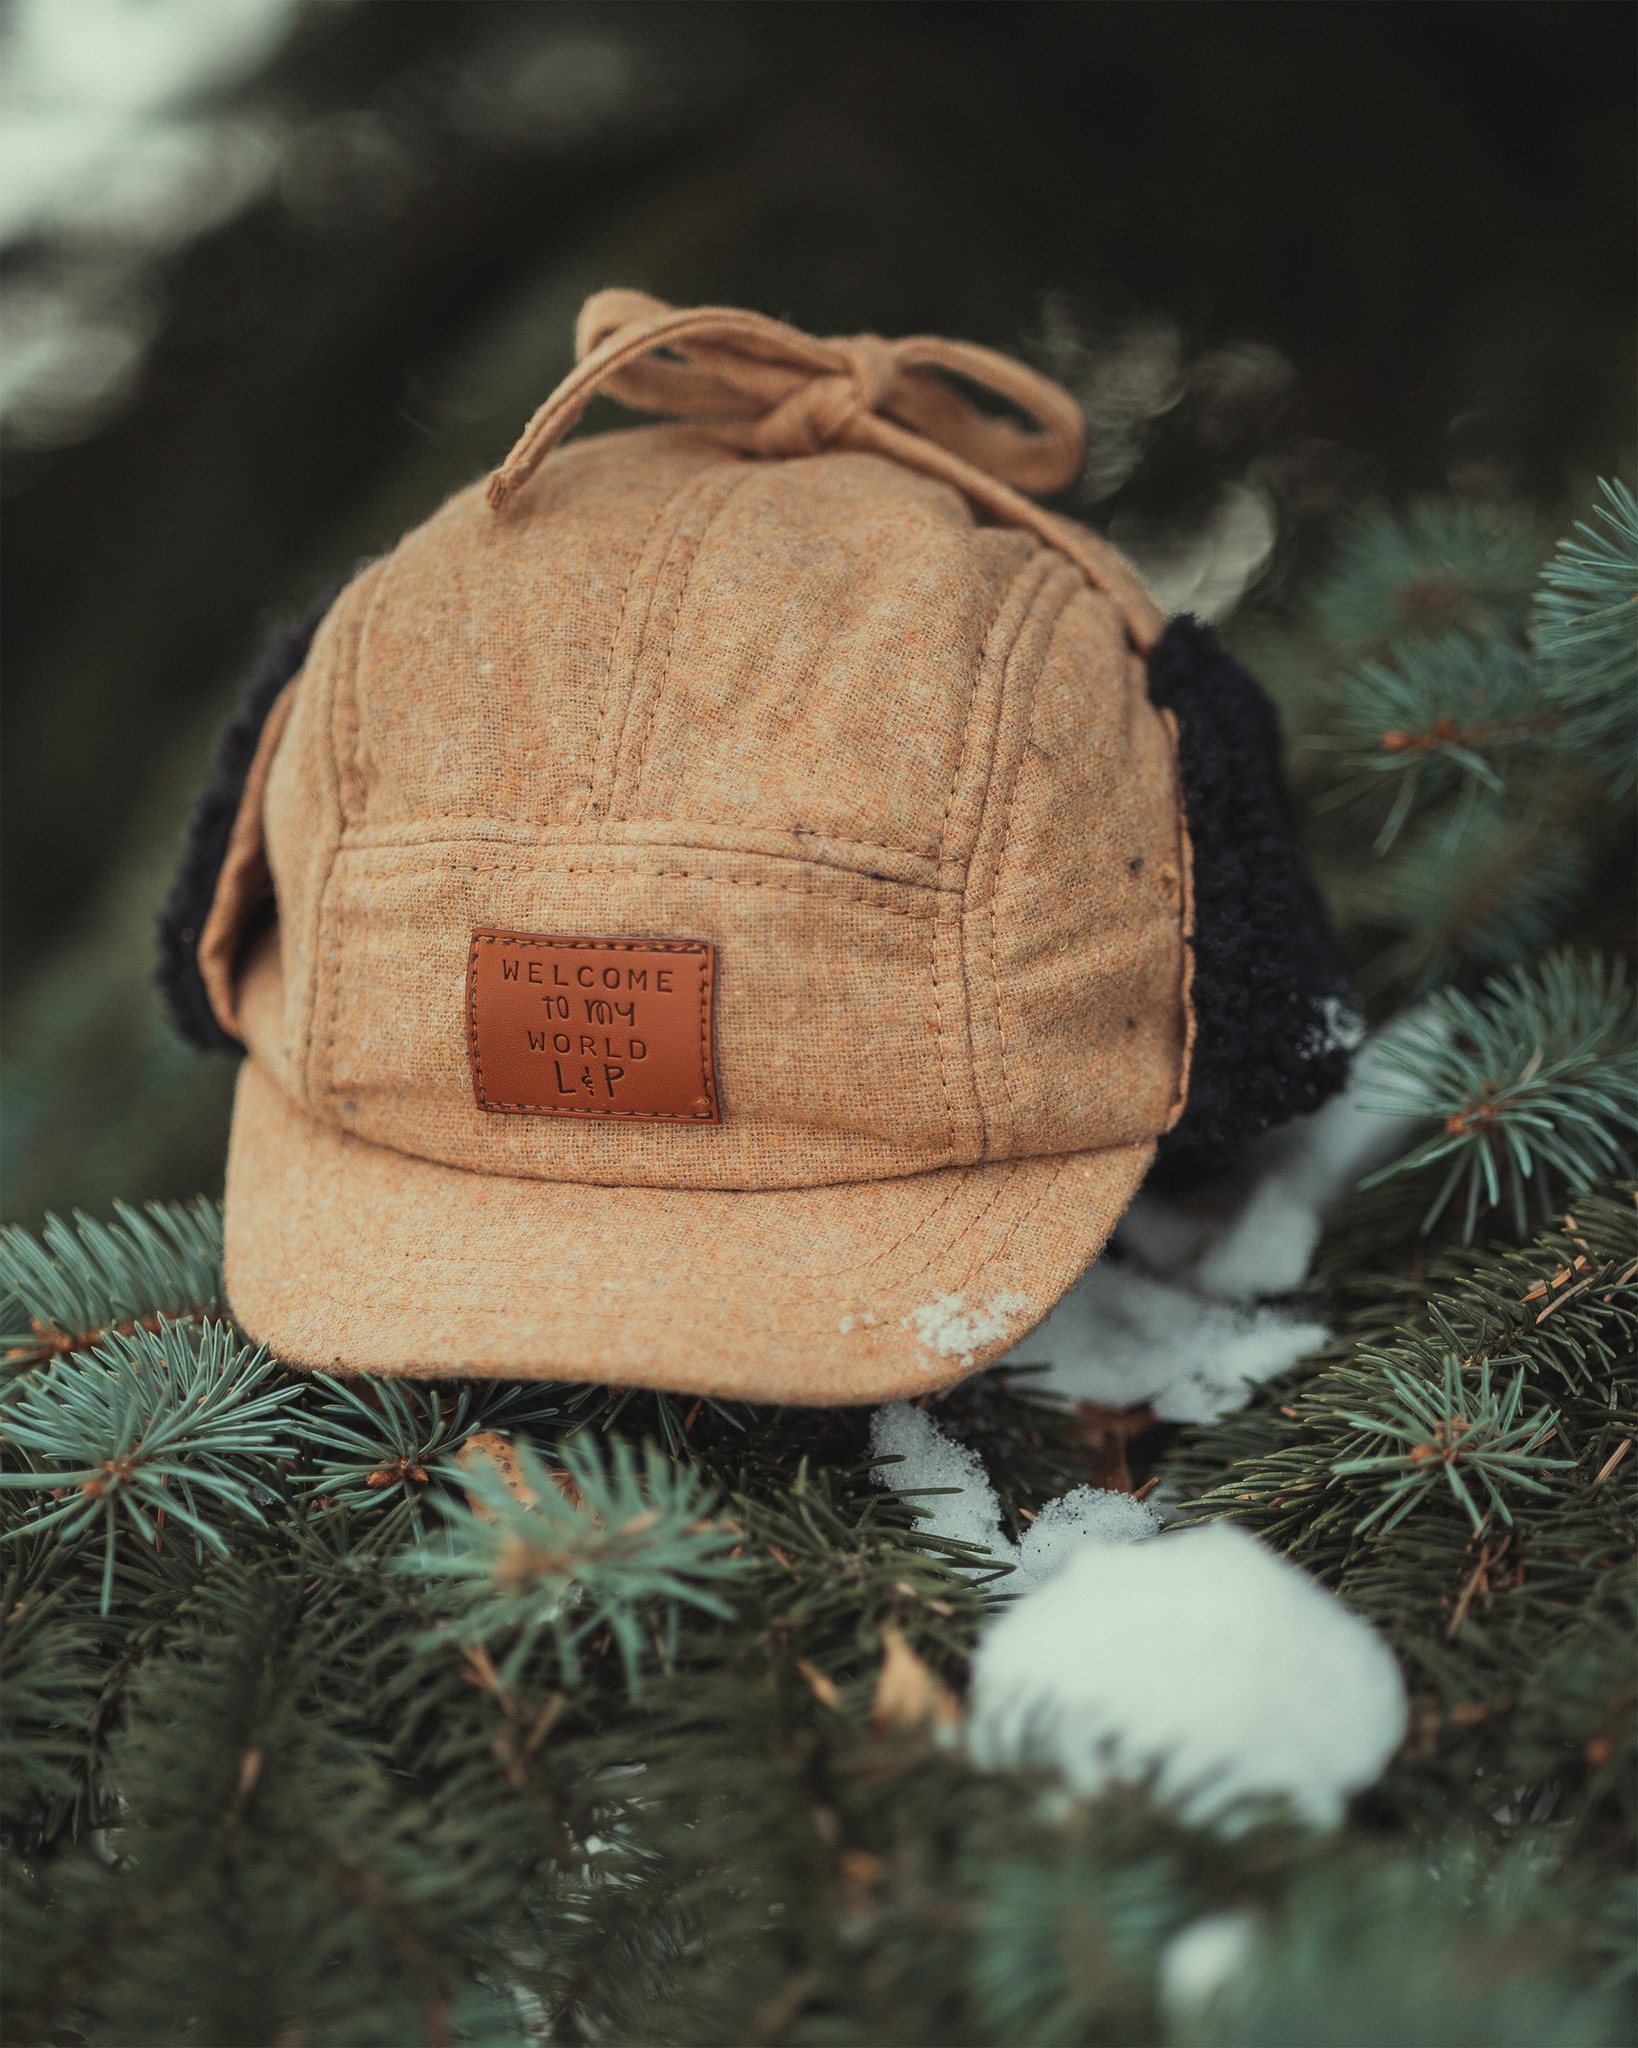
x=345, y=1256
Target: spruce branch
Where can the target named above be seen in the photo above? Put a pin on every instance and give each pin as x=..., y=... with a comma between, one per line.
x=604, y=1551
x=1059, y=1938
x=1468, y=1437
x=641, y=1411
x=1456, y=1945
x=139, y=1429
x=1586, y=634
x=1561, y=1311
x=1534, y=1084
x=1442, y=716
x=65, y=1289
x=1453, y=709
x=379, y=1444
x=272, y=1878
x=1495, y=900
x=1441, y=567
x=48, y=1683
x=837, y=1570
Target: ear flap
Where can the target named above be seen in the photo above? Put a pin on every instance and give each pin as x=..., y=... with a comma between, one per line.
x=1276, y=1026
x=226, y=816
x=245, y=883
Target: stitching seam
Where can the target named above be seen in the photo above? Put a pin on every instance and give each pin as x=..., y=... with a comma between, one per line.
x=367, y=842
x=689, y=875
x=634, y=776
x=1014, y=778
x=414, y=825
x=938, y=1036
x=995, y=980
x=670, y=507
x=942, y=854
x=811, y=1286
x=348, y=688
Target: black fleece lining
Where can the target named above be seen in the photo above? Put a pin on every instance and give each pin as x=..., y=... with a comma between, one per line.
x=1275, y=1023
x=204, y=846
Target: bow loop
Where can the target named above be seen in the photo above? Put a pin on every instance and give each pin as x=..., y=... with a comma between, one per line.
x=773, y=391
x=793, y=394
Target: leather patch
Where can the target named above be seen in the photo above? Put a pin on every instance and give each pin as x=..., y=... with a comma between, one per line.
x=591, y=1027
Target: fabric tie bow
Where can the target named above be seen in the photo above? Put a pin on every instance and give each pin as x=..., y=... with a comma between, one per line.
x=770, y=390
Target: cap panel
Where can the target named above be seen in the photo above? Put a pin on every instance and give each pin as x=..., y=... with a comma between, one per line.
x=817, y=669
x=1016, y=659
x=301, y=811
x=1025, y=616
x=1088, y=912
x=647, y=620
x=829, y=1027
x=503, y=645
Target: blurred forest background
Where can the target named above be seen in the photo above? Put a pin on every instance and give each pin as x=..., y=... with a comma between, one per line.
x=278, y=277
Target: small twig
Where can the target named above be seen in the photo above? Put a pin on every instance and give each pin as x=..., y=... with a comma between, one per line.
x=1569, y=1294
x=1478, y=1581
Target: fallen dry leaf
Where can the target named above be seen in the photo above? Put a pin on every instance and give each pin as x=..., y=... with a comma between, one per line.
x=486, y=1443
x=907, y=1693
x=489, y=1444
x=822, y=1688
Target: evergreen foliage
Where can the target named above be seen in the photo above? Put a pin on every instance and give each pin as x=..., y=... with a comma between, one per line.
x=573, y=1552
x=61, y=1293
x=1445, y=567
x=1472, y=1438
x=135, y=1430
x=1586, y=637
x=1494, y=712
x=1416, y=724
x=1534, y=1084
x=342, y=1712
x=1499, y=895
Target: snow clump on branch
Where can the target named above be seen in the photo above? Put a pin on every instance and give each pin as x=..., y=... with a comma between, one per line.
x=970, y=1513
x=1204, y=1657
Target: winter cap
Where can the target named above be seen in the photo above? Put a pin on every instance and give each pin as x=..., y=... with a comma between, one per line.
x=712, y=910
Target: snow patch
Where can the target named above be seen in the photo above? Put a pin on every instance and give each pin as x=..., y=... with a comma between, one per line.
x=1339, y=1028
x=1088, y=1514
x=948, y=1328
x=1263, y=1244
x=1300, y=1171
x=1200, y=1963
x=970, y=1512
x=1175, y=1323
x=1206, y=1657
x=1120, y=1338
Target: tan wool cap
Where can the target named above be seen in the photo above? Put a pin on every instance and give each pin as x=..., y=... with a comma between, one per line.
x=732, y=893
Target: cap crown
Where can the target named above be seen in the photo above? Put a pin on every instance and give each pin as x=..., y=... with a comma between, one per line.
x=897, y=767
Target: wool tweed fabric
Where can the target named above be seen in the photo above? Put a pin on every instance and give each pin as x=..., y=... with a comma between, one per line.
x=809, y=696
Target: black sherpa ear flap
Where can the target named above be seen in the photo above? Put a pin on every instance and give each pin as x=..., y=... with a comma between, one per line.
x=204, y=847
x=1275, y=1025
